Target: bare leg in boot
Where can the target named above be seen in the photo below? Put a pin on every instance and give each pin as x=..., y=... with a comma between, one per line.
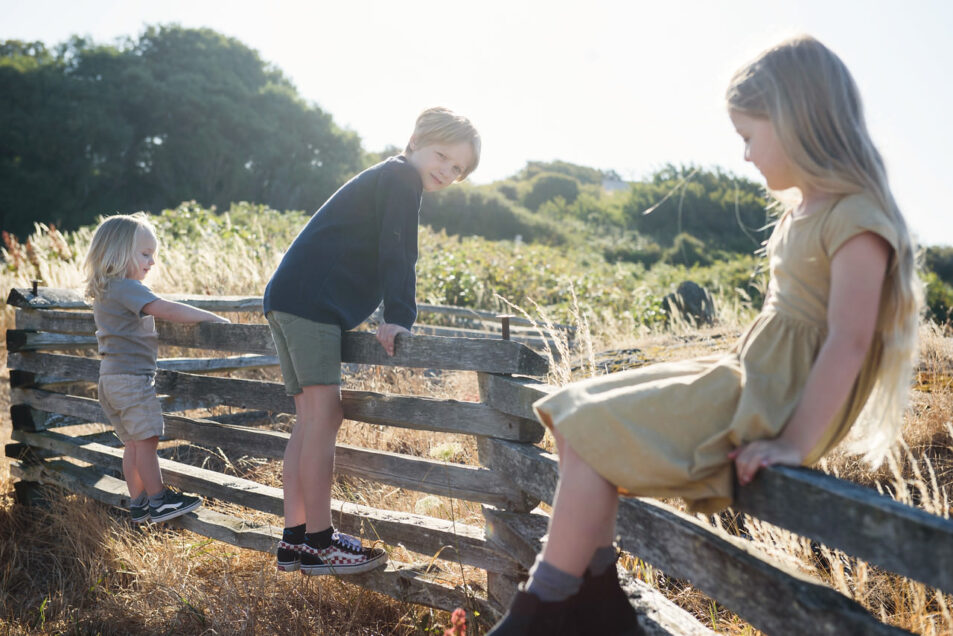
x=583, y=519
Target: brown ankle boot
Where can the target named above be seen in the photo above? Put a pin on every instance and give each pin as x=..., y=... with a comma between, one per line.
x=602, y=607
x=529, y=616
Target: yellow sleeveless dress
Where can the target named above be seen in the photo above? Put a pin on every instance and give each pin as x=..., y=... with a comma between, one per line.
x=666, y=430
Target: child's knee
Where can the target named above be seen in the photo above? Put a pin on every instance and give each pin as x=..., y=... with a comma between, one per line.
x=149, y=444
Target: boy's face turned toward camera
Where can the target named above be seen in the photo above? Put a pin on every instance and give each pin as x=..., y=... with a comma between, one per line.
x=439, y=164
x=144, y=256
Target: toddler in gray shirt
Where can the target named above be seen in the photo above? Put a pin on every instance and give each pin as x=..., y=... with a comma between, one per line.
x=120, y=256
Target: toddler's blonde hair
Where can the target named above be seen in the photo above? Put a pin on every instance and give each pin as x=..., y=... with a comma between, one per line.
x=440, y=125
x=112, y=250
x=810, y=97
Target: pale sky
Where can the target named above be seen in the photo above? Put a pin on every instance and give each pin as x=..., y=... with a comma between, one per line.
x=627, y=86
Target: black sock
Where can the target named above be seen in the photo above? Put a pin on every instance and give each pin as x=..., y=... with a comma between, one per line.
x=319, y=539
x=293, y=535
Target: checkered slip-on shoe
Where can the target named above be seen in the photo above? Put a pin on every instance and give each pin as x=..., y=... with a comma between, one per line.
x=289, y=556
x=345, y=555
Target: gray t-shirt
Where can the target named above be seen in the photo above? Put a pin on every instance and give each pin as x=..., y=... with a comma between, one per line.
x=127, y=338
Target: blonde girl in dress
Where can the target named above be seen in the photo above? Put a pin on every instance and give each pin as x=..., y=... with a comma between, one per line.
x=833, y=349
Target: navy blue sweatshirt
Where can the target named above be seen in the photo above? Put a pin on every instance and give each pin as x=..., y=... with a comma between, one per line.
x=359, y=248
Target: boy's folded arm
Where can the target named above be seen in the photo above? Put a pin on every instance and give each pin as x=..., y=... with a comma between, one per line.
x=179, y=312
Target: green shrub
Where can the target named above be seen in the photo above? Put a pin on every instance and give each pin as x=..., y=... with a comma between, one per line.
x=687, y=250
x=473, y=211
x=547, y=186
x=939, y=297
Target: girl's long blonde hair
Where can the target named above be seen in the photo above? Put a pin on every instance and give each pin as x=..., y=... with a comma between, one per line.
x=809, y=96
x=112, y=250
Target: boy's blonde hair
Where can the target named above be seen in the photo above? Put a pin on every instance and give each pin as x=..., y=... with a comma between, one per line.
x=112, y=250
x=440, y=125
x=811, y=99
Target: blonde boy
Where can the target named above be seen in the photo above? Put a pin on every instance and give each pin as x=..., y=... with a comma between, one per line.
x=360, y=248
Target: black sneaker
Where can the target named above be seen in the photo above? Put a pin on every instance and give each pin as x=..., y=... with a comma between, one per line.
x=139, y=514
x=289, y=556
x=174, y=504
x=345, y=555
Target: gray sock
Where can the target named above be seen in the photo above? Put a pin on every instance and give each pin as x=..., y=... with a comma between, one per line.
x=549, y=583
x=155, y=500
x=140, y=501
x=602, y=559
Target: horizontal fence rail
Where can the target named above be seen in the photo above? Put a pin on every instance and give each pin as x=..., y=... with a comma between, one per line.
x=423, y=413
x=52, y=298
x=477, y=323
x=75, y=330
x=458, y=481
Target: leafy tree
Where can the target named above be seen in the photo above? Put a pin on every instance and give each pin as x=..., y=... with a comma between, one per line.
x=178, y=114
x=939, y=297
x=940, y=260
x=372, y=158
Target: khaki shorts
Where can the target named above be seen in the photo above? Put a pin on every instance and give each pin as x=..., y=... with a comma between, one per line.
x=309, y=352
x=131, y=406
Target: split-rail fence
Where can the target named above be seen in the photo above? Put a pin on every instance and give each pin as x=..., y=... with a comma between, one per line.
x=514, y=476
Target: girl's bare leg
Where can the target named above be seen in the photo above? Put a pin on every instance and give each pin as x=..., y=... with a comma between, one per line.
x=584, y=514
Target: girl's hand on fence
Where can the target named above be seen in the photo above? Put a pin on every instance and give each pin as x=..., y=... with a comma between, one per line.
x=387, y=334
x=752, y=457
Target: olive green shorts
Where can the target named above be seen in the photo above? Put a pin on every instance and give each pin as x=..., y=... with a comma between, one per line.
x=309, y=352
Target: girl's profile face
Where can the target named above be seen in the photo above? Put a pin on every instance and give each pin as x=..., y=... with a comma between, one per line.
x=144, y=256
x=763, y=149
x=438, y=164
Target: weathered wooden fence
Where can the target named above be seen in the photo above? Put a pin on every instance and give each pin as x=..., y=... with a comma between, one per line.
x=515, y=475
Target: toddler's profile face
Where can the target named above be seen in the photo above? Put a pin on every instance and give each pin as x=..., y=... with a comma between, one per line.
x=438, y=164
x=144, y=257
x=763, y=149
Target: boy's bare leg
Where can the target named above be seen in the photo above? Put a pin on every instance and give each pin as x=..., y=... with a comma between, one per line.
x=140, y=466
x=309, y=457
x=584, y=514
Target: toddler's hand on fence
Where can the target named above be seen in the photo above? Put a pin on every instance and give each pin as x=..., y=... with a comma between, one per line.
x=387, y=334
x=752, y=457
